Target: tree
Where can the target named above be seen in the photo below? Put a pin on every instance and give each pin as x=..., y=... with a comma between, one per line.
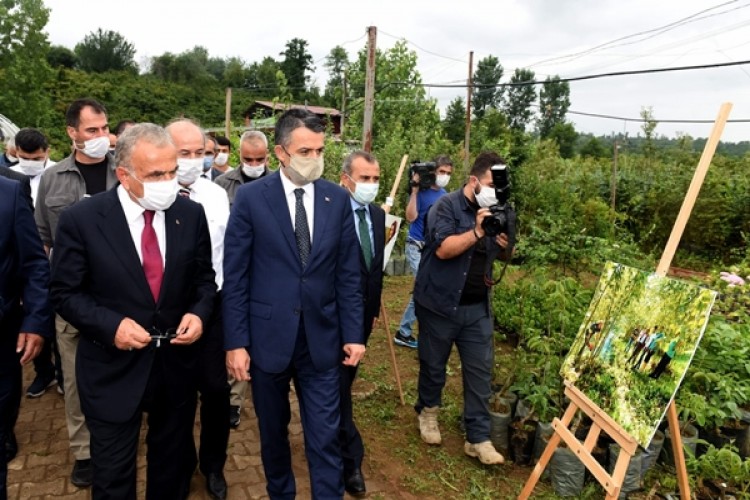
x=565, y=135
x=648, y=127
x=102, y=51
x=262, y=79
x=58, y=56
x=297, y=62
x=593, y=148
x=519, y=98
x=454, y=124
x=487, y=93
x=24, y=70
x=189, y=67
x=554, y=101
x=337, y=61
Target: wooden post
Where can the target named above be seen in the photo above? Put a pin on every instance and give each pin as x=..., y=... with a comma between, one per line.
x=467, y=134
x=390, y=200
x=228, y=113
x=372, y=35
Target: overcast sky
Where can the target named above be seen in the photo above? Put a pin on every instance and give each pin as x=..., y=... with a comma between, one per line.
x=535, y=34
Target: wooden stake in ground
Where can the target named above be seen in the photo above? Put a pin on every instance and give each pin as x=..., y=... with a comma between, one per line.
x=602, y=421
x=386, y=325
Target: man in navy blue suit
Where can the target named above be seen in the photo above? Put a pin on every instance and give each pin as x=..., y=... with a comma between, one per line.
x=25, y=310
x=131, y=270
x=360, y=175
x=292, y=303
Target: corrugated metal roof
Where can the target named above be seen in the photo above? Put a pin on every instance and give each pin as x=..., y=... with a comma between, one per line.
x=318, y=110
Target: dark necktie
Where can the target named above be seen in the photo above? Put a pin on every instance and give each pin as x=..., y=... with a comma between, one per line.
x=301, y=229
x=152, y=263
x=184, y=192
x=364, y=237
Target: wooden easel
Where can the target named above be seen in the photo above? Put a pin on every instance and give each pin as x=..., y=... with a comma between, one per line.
x=612, y=484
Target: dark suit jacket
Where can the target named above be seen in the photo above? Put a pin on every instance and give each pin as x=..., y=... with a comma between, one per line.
x=371, y=279
x=24, y=274
x=266, y=289
x=98, y=280
x=23, y=179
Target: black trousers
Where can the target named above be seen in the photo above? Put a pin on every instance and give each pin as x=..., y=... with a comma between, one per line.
x=352, y=447
x=10, y=400
x=214, y=395
x=169, y=441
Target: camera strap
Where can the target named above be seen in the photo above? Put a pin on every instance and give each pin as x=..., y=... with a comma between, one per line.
x=488, y=274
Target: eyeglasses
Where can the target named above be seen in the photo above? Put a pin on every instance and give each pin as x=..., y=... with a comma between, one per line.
x=158, y=335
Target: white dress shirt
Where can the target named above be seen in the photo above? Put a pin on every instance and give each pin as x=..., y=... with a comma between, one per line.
x=134, y=217
x=216, y=206
x=307, y=200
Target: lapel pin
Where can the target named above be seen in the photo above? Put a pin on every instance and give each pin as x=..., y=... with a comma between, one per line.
x=177, y=221
x=327, y=199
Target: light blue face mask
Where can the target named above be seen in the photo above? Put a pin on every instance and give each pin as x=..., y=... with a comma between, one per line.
x=208, y=160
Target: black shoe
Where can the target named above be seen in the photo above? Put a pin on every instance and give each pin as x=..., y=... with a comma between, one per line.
x=234, y=416
x=216, y=485
x=11, y=447
x=40, y=385
x=82, y=475
x=354, y=483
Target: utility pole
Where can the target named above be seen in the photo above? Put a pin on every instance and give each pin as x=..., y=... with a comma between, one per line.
x=467, y=135
x=613, y=187
x=343, y=106
x=228, y=113
x=372, y=34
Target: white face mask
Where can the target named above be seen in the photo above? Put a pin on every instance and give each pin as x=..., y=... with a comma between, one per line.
x=31, y=167
x=221, y=159
x=96, y=148
x=486, y=196
x=442, y=180
x=364, y=192
x=253, y=171
x=304, y=170
x=189, y=170
x=157, y=195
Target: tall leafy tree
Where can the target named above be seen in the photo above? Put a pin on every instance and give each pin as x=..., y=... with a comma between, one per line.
x=519, y=98
x=24, y=70
x=297, y=62
x=565, y=135
x=487, y=94
x=190, y=67
x=554, y=101
x=648, y=127
x=61, y=56
x=337, y=61
x=262, y=78
x=454, y=124
x=102, y=51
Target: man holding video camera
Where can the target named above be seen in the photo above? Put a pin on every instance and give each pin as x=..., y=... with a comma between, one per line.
x=428, y=181
x=465, y=232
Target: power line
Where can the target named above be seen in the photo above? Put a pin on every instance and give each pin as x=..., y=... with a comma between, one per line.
x=641, y=120
x=584, y=77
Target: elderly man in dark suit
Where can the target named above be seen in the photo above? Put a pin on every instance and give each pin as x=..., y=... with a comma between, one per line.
x=25, y=310
x=360, y=175
x=292, y=303
x=132, y=272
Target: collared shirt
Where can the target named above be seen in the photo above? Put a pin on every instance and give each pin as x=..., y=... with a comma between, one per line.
x=134, y=217
x=34, y=180
x=440, y=282
x=425, y=199
x=356, y=206
x=216, y=206
x=307, y=200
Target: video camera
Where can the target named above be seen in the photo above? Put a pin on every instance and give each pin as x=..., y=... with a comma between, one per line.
x=502, y=218
x=426, y=172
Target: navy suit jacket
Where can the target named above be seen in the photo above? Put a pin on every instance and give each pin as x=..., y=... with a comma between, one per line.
x=25, y=181
x=98, y=280
x=24, y=274
x=266, y=290
x=371, y=280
